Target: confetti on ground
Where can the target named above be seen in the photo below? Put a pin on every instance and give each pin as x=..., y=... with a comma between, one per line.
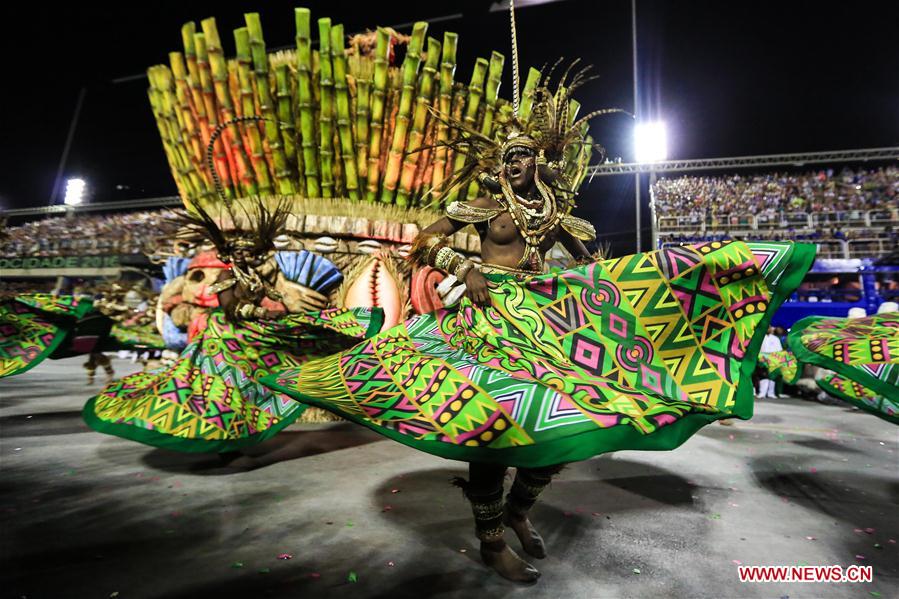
x=285, y=556
x=736, y=562
x=349, y=524
x=113, y=595
x=566, y=514
x=386, y=508
x=893, y=541
x=813, y=470
x=597, y=514
x=394, y=491
x=352, y=577
x=390, y=564
x=463, y=550
x=812, y=538
x=878, y=546
x=875, y=594
x=715, y=516
x=237, y=565
x=870, y=531
x=860, y=557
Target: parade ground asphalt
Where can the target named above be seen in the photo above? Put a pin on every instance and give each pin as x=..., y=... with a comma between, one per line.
x=334, y=510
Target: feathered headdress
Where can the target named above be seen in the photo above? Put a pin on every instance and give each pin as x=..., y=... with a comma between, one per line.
x=550, y=129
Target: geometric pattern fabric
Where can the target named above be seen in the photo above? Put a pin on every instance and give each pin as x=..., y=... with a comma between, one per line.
x=780, y=365
x=863, y=351
x=210, y=399
x=32, y=327
x=568, y=365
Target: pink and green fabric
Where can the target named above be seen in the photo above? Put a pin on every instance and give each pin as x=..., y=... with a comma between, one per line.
x=780, y=365
x=637, y=352
x=33, y=326
x=863, y=352
x=134, y=337
x=210, y=399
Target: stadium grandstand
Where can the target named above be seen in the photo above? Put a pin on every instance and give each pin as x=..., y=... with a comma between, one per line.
x=848, y=214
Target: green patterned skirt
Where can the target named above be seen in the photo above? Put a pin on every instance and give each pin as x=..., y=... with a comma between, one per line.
x=134, y=337
x=780, y=365
x=210, y=399
x=33, y=327
x=633, y=353
x=864, y=354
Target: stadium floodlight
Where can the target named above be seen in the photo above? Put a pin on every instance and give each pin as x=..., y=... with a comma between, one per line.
x=650, y=142
x=74, y=192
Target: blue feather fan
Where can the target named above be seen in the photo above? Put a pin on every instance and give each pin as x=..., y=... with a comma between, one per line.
x=310, y=270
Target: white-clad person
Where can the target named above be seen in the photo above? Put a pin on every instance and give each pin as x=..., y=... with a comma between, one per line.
x=771, y=343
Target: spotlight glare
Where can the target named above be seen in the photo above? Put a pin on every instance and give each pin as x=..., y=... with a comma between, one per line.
x=74, y=192
x=650, y=142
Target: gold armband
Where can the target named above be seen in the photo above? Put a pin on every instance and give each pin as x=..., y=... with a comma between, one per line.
x=434, y=251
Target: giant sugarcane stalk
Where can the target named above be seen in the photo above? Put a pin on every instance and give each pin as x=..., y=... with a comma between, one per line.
x=344, y=122
x=224, y=163
x=281, y=148
x=378, y=97
x=362, y=110
x=527, y=94
x=401, y=127
x=231, y=134
x=248, y=109
x=475, y=93
x=326, y=107
x=419, y=120
x=494, y=78
x=286, y=120
x=447, y=70
x=304, y=90
x=188, y=121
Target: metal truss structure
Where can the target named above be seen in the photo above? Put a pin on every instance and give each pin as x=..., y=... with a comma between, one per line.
x=738, y=162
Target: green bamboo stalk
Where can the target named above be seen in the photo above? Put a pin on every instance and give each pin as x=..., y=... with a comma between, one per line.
x=527, y=94
x=401, y=129
x=458, y=105
x=219, y=69
x=494, y=78
x=248, y=108
x=161, y=82
x=224, y=165
x=304, y=87
x=326, y=107
x=286, y=125
x=162, y=127
x=419, y=120
x=447, y=70
x=363, y=99
x=186, y=117
x=344, y=124
x=188, y=31
x=379, y=91
x=475, y=93
x=280, y=150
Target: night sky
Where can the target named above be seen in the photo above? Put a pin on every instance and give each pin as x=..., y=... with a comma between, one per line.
x=730, y=78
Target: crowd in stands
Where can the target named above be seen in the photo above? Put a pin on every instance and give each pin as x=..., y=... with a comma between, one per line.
x=88, y=234
x=769, y=196
x=855, y=207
